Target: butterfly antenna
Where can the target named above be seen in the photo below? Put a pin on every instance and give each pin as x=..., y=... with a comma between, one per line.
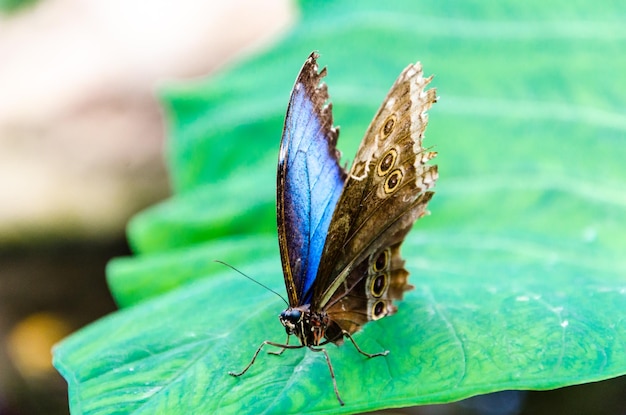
x=252, y=279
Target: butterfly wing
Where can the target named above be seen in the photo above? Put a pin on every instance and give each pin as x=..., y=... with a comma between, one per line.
x=387, y=190
x=310, y=180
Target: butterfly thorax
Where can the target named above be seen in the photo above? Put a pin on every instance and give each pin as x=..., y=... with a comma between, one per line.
x=308, y=326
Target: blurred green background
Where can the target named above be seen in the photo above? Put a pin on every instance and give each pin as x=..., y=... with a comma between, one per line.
x=529, y=130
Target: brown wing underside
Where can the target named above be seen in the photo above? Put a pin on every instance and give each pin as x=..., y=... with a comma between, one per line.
x=386, y=192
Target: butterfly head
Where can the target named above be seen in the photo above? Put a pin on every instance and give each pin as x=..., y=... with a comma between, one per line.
x=309, y=327
x=291, y=318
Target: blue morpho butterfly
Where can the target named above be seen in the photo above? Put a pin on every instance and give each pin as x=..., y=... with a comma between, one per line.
x=340, y=232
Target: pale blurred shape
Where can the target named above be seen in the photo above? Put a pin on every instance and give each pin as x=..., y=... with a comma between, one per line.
x=30, y=342
x=81, y=132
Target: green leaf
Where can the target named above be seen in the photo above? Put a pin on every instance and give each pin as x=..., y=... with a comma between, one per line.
x=519, y=272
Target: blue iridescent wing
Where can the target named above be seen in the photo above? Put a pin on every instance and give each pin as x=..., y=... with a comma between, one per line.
x=310, y=181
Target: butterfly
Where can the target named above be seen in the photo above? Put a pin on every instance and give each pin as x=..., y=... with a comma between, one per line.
x=340, y=231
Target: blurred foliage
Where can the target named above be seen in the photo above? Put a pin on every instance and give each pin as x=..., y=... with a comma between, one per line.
x=519, y=272
x=13, y=6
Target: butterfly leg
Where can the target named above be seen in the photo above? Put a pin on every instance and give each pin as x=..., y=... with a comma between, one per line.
x=348, y=335
x=282, y=349
x=332, y=372
x=283, y=346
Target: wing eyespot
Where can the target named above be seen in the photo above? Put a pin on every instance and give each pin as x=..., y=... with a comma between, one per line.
x=379, y=285
x=388, y=126
x=393, y=181
x=379, y=310
x=387, y=162
x=381, y=262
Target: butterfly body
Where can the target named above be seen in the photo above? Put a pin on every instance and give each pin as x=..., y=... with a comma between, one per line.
x=308, y=326
x=340, y=231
